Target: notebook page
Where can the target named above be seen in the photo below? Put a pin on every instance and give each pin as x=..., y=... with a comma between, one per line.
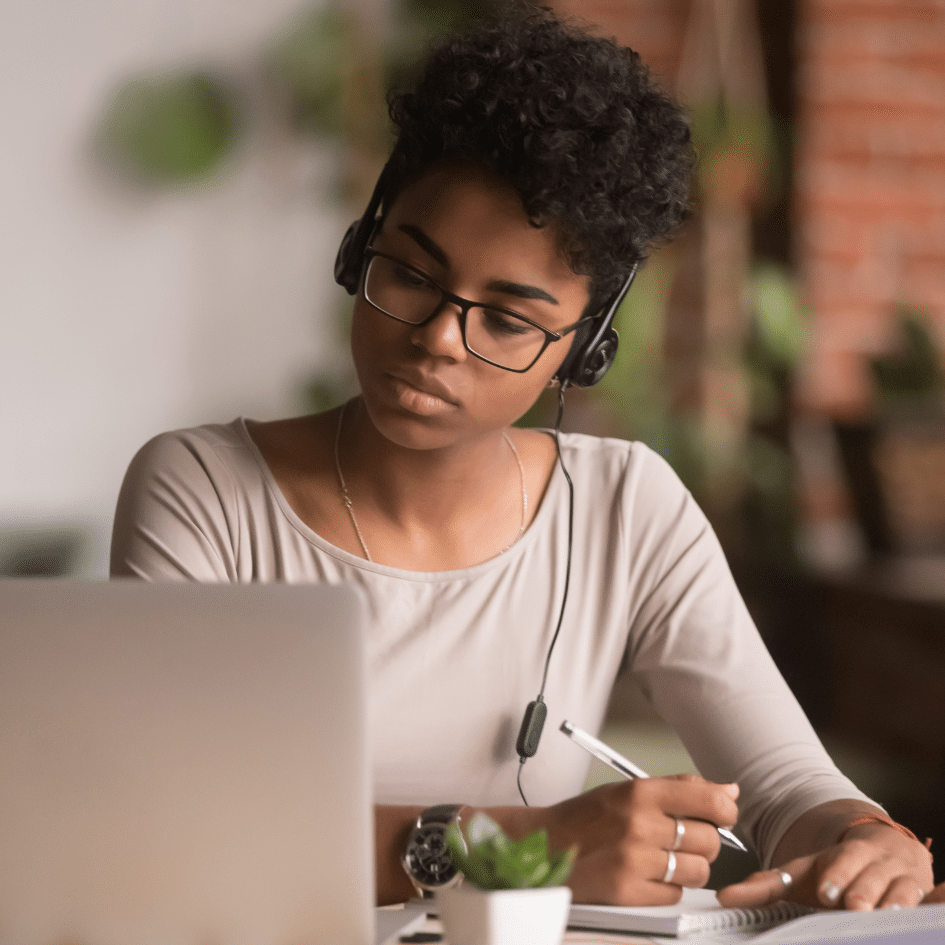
x=698, y=911
x=916, y=926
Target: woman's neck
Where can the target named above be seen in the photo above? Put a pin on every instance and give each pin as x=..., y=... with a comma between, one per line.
x=429, y=489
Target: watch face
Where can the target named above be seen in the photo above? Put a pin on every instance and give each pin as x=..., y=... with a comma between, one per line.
x=428, y=858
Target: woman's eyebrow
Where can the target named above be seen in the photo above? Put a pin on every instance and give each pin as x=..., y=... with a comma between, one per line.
x=518, y=289
x=425, y=243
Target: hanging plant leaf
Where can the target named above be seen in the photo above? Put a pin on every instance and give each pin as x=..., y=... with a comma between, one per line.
x=170, y=128
x=911, y=371
x=736, y=145
x=778, y=319
x=311, y=62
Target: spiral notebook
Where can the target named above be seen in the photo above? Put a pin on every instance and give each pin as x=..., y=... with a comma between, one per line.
x=698, y=911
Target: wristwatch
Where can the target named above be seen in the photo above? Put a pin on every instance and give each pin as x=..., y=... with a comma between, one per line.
x=427, y=860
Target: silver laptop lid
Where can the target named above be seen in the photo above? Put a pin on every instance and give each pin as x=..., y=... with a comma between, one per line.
x=183, y=764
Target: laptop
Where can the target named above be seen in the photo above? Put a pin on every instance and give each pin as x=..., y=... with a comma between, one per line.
x=184, y=764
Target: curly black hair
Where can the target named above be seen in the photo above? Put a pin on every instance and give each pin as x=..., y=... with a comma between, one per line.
x=573, y=121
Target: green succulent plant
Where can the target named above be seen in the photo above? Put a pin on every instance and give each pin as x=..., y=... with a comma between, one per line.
x=490, y=860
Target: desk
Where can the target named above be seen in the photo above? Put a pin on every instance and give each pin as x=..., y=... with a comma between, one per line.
x=432, y=927
x=924, y=925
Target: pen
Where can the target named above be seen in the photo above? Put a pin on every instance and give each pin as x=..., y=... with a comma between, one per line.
x=629, y=770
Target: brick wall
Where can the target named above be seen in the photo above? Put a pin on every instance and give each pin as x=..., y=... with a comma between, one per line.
x=654, y=28
x=869, y=204
x=870, y=186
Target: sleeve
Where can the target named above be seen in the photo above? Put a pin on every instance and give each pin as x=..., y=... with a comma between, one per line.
x=700, y=659
x=172, y=521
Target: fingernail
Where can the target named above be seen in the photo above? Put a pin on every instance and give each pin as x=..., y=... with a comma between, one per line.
x=831, y=893
x=732, y=789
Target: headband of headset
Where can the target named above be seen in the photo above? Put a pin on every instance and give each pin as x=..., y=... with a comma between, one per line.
x=592, y=353
x=350, y=259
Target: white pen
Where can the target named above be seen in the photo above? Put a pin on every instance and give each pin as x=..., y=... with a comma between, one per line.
x=629, y=770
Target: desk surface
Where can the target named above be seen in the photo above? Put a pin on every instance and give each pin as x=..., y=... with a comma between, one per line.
x=923, y=925
x=432, y=926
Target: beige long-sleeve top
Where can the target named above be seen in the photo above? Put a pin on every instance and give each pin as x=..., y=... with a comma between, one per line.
x=455, y=656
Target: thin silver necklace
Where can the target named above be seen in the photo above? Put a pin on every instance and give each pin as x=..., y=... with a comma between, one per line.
x=346, y=498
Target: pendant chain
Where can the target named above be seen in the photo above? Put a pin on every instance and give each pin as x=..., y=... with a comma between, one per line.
x=349, y=505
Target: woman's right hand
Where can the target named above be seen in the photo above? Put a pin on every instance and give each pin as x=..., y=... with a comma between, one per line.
x=625, y=833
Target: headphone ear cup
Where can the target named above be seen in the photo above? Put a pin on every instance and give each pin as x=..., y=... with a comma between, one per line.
x=591, y=356
x=347, y=262
x=595, y=363
x=575, y=357
x=350, y=259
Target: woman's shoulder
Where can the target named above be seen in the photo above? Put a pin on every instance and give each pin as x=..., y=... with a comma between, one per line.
x=609, y=457
x=630, y=482
x=242, y=457
x=177, y=507
x=213, y=461
x=200, y=444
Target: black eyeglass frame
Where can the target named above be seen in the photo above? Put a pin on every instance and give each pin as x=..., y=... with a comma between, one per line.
x=464, y=306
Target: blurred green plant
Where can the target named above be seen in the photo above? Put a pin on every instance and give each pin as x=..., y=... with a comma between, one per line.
x=327, y=64
x=752, y=477
x=725, y=134
x=911, y=374
x=490, y=860
x=326, y=72
x=170, y=128
x=311, y=60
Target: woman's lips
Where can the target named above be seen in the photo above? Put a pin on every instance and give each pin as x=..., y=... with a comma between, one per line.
x=422, y=396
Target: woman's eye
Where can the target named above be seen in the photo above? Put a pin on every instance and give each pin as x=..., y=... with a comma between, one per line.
x=410, y=279
x=503, y=323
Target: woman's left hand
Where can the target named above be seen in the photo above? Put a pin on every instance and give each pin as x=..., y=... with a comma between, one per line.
x=872, y=867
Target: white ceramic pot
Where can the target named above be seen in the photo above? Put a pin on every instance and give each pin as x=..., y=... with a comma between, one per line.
x=472, y=916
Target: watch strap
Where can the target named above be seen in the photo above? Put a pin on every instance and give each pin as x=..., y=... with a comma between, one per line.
x=440, y=814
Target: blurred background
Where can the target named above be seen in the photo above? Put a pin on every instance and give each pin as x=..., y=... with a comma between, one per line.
x=175, y=177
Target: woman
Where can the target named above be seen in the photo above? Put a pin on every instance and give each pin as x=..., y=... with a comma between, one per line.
x=534, y=167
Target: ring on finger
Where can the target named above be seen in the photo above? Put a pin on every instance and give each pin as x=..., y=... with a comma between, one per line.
x=680, y=833
x=670, y=867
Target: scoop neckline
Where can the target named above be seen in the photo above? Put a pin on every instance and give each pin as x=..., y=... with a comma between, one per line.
x=537, y=524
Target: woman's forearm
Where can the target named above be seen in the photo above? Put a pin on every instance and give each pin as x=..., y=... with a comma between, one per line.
x=630, y=850
x=391, y=829
x=842, y=854
x=820, y=827
x=392, y=826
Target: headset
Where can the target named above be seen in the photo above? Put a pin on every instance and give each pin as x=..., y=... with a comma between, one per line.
x=350, y=259
x=592, y=353
x=589, y=359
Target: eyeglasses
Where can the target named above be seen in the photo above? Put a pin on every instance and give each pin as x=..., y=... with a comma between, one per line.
x=494, y=335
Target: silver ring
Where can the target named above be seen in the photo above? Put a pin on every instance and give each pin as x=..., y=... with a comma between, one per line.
x=670, y=867
x=680, y=833
x=786, y=878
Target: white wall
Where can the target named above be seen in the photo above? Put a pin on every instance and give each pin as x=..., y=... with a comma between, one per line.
x=123, y=313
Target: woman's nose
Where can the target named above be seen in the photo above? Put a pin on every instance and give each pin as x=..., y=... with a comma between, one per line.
x=442, y=335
